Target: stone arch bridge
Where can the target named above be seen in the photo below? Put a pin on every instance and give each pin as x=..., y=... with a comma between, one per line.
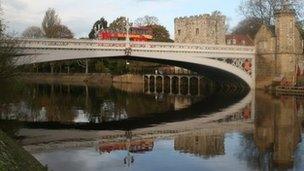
x=218, y=62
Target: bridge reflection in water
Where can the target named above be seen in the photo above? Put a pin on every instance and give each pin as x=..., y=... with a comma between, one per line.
x=173, y=84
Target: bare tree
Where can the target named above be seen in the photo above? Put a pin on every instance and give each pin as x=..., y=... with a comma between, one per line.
x=248, y=26
x=50, y=22
x=265, y=9
x=52, y=27
x=33, y=32
x=8, y=52
x=147, y=21
x=8, y=60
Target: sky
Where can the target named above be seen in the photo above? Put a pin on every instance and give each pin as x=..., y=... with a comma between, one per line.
x=80, y=15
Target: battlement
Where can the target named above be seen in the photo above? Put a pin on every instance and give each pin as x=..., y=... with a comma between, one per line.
x=200, y=17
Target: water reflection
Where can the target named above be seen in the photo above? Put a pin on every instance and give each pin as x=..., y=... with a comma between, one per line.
x=206, y=144
x=71, y=106
x=129, y=144
x=278, y=128
x=65, y=103
x=273, y=143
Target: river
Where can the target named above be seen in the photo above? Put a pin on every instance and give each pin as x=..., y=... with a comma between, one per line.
x=126, y=127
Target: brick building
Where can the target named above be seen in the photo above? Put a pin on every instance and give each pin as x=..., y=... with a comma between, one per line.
x=240, y=40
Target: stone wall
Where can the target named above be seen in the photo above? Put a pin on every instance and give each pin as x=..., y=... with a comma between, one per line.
x=200, y=29
x=128, y=78
x=265, y=57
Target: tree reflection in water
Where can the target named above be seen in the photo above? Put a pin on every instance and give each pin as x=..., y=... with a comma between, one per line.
x=94, y=107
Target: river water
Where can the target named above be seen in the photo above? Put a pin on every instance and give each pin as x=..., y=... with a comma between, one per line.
x=126, y=127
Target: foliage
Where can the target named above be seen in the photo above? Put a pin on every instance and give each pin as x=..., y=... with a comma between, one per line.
x=33, y=32
x=119, y=24
x=8, y=51
x=160, y=34
x=265, y=9
x=100, y=66
x=248, y=26
x=98, y=25
x=146, y=21
x=63, y=32
x=301, y=27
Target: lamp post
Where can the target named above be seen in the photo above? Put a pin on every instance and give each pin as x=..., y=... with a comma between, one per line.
x=128, y=33
x=128, y=49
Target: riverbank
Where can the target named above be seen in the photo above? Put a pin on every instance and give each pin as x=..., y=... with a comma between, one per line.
x=14, y=157
x=80, y=78
x=77, y=78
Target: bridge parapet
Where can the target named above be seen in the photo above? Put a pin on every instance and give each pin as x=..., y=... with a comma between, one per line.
x=96, y=44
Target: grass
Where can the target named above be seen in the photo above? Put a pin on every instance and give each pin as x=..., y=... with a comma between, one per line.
x=14, y=157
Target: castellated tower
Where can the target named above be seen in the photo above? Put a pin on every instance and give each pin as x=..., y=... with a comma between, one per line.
x=279, y=51
x=289, y=43
x=200, y=29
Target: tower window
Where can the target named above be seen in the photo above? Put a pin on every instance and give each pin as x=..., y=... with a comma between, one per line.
x=178, y=32
x=197, y=31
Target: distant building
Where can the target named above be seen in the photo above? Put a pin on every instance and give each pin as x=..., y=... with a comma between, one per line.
x=240, y=40
x=200, y=29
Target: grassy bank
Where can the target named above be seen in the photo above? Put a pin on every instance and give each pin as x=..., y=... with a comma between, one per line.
x=14, y=157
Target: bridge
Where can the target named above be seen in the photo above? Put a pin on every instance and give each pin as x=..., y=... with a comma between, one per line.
x=217, y=62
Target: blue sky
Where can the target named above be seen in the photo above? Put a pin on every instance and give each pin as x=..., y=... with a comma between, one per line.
x=79, y=15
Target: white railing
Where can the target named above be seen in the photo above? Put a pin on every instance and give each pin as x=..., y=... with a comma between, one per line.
x=73, y=43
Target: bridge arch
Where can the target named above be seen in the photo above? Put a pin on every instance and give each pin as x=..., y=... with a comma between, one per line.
x=212, y=68
x=214, y=61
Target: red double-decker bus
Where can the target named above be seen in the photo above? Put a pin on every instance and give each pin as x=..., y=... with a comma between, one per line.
x=136, y=34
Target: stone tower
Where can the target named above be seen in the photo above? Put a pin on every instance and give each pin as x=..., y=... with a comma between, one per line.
x=200, y=29
x=289, y=43
x=278, y=50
